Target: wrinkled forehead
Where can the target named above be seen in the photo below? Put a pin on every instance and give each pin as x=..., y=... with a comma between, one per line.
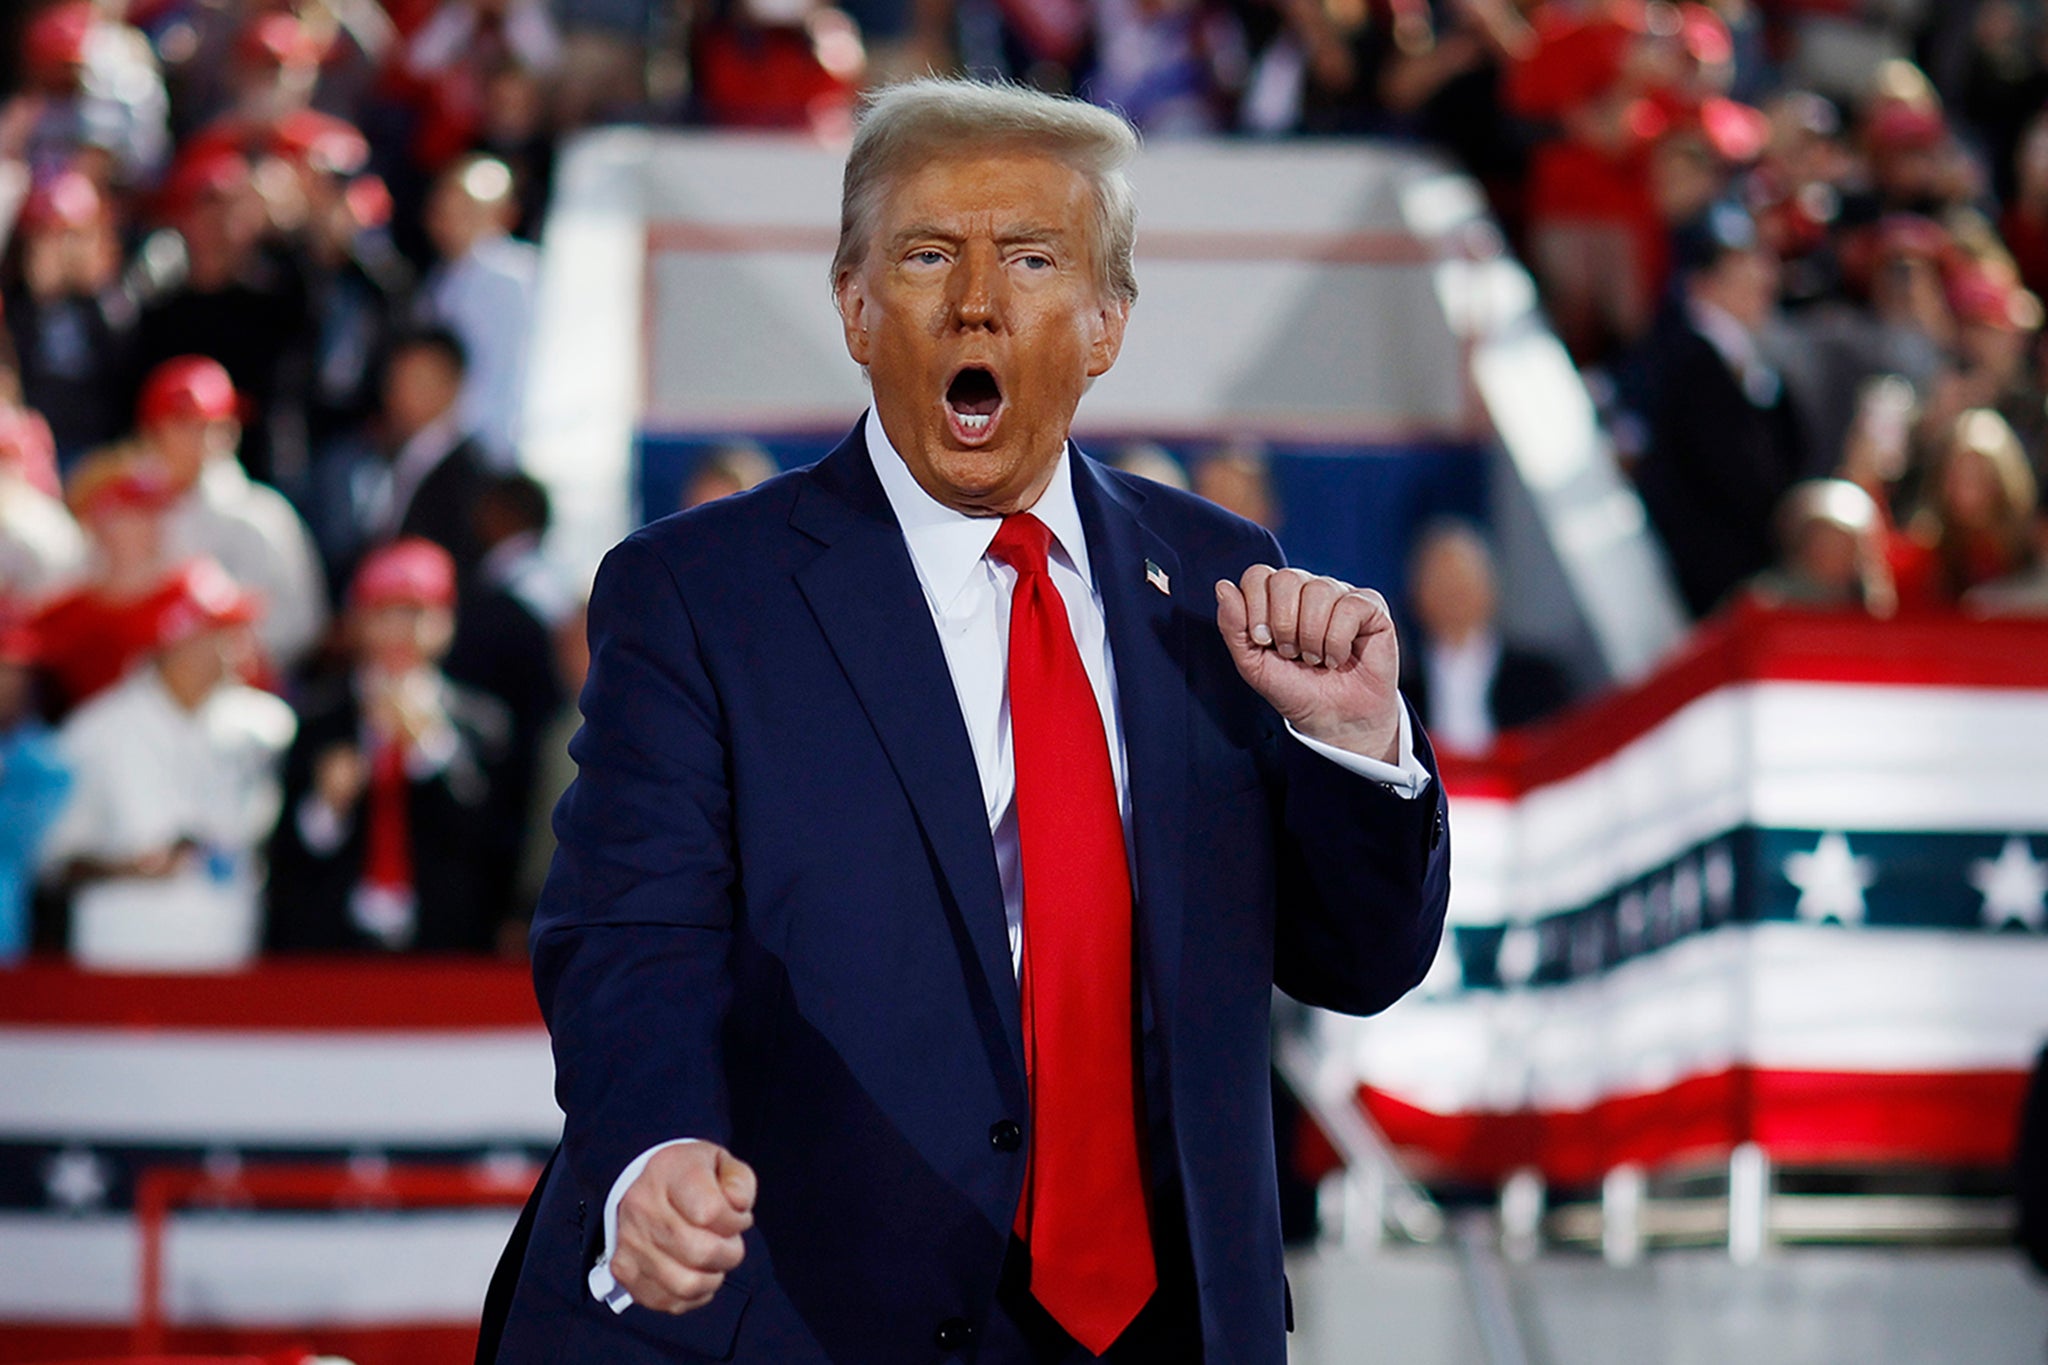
x=999, y=184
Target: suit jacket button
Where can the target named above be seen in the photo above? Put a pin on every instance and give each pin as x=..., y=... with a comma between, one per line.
x=1436, y=830
x=1005, y=1135
x=954, y=1334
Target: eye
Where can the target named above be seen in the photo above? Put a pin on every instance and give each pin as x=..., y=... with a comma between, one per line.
x=926, y=256
x=1035, y=260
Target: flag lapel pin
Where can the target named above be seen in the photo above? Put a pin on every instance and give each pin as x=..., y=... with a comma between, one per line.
x=1156, y=576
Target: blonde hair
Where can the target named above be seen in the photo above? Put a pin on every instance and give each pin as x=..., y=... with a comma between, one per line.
x=1984, y=432
x=905, y=125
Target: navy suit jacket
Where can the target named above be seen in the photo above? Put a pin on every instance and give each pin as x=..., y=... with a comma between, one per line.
x=775, y=922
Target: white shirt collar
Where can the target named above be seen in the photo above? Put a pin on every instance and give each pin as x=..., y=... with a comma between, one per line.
x=947, y=546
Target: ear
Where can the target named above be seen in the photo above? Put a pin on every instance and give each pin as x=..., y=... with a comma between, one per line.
x=1106, y=336
x=851, y=296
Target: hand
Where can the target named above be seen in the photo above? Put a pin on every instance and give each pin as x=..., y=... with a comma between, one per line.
x=339, y=776
x=1321, y=651
x=680, y=1226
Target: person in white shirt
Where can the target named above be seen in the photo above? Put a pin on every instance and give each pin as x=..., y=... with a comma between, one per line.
x=174, y=787
x=1467, y=683
x=187, y=417
x=483, y=289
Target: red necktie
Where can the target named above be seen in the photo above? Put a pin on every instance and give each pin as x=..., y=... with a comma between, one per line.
x=387, y=852
x=1084, y=1212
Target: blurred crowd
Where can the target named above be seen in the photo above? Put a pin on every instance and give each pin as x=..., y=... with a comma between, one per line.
x=282, y=664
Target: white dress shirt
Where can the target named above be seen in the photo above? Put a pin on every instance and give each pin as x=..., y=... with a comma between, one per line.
x=260, y=539
x=1460, y=688
x=968, y=594
x=146, y=773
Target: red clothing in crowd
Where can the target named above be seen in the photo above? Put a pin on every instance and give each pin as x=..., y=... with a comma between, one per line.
x=89, y=641
x=1577, y=61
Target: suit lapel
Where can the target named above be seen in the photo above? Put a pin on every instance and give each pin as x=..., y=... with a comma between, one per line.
x=864, y=593
x=1146, y=645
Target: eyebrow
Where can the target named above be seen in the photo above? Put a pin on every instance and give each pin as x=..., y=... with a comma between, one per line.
x=932, y=232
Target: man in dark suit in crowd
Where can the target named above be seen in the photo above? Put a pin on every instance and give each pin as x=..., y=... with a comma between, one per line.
x=1725, y=440
x=946, y=814
x=389, y=839
x=1465, y=681
x=436, y=468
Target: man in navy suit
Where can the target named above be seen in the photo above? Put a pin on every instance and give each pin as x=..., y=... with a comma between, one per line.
x=805, y=868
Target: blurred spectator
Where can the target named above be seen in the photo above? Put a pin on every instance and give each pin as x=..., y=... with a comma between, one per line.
x=516, y=127
x=1468, y=684
x=1996, y=322
x=387, y=839
x=41, y=548
x=1154, y=462
x=2024, y=224
x=2003, y=86
x=1891, y=318
x=727, y=470
x=175, y=785
x=33, y=783
x=1975, y=524
x=1724, y=442
x=792, y=64
x=72, y=321
x=1172, y=67
x=187, y=421
x=97, y=97
x=482, y=289
x=1429, y=69
x=358, y=283
x=435, y=470
x=1595, y=241
x=1831, y=552
x=1916, y=163
x=604, y=59
x=93, y=634
x=215, y=287
x=506, y=647
x=1238, y=478
x=449, y=62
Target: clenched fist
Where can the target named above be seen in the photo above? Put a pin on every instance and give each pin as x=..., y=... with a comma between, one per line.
x=680, y=1224
x=1321, y=651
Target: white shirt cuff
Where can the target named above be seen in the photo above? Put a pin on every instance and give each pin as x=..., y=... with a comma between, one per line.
x=1405, y=778
x=603, y=1287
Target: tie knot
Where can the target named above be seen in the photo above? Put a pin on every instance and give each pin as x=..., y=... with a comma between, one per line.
x=1021, y=542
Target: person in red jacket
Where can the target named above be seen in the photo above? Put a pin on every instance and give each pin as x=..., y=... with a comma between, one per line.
x=92, y=635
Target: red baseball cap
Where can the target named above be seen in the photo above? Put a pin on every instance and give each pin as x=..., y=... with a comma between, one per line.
x=1735, y=131
x=186, y=388
x=59, y=36
x=1980, y=296
x=198, y=597
x=320, y=142
x=1899, y=126
x=412, y=572
x=204, y=171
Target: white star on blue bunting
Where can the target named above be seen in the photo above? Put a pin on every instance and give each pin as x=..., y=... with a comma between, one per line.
x=1831, y=881
x=2014, y=886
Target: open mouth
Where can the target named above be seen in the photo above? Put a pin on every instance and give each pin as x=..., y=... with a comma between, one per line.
x=973, y=402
